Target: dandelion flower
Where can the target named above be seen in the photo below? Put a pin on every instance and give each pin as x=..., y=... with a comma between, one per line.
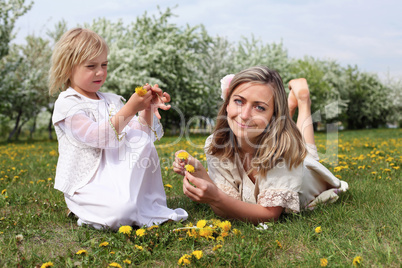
x=185, y=259
x=140, y=91
x=114, y=264
x=19, y=237
x=82, y=252
x=182, y=155
x=4, y=191
x=189, y=168
x=125, y=229
x=278, y=243
x=140, y=232
x=103, y=244
x=139, y=247
x=236, y=232
x=127, y=261
x=47, y=264
x=357, y=261
x=318, y=230
x=201, y=223
x=197, y=254
x=217, y=247
x=323, y=262
x=168, y=185
x=225, y=226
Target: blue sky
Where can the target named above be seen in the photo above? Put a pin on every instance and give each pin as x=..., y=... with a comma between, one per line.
x=364, y=33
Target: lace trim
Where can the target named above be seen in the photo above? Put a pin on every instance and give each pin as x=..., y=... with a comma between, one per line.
x=227, y=189
x=279, y=198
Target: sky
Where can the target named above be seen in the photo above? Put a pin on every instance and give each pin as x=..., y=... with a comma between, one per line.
x=354, y=32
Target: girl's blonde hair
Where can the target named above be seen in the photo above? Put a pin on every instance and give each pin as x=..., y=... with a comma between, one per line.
x=74, y=47
x=281, y=140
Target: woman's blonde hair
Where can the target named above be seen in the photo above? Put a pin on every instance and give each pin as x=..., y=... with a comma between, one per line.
x=74, y=47
x=281, y=140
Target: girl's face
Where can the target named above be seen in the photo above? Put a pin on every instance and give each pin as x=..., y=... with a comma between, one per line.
x=89, y=76
x=250, y=110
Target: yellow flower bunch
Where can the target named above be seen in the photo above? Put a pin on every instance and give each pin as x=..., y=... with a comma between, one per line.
x=184, y=260
x=189, y=168
x=140, y=91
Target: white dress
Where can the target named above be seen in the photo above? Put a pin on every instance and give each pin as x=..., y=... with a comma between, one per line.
x=127, y=188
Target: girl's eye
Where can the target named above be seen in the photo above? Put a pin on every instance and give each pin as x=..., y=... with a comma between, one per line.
x=90, y=66
x=104, y=65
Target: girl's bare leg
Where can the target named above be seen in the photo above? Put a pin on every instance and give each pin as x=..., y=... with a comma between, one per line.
x=299, y=96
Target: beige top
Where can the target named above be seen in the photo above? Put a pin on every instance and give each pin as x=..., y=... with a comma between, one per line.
x=301, y=187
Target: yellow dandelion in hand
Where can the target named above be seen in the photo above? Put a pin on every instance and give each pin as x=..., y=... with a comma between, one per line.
x=82, y=252
x=182, y=155
x=114, y=264
x=189, y=168
x=197, y=254
x=357, y=261
x=185, y=259
x=323, y=262
x=140, y=91
x=318, y=230
x=140, y=232
x=201, y=223
x=217, y=247
x=125, y=229
x=103, y=244
x=47, y=264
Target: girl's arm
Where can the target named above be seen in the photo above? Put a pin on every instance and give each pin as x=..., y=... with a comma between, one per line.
x=204, y=191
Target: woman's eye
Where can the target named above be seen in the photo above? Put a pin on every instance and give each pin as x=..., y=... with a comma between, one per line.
x=260, y=108
x=238, y=102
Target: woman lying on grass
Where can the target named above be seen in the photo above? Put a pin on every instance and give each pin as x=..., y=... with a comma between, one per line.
x=260, y=163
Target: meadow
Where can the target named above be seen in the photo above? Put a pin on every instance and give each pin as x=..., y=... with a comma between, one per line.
x=363, y=228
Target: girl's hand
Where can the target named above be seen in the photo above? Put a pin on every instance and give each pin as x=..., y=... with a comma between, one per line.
x=178, y=165
x=200, y=190
x=139, y=103
x=159, y=98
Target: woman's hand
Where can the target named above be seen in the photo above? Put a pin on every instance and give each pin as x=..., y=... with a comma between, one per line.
x=179, y=166
x=200, y=190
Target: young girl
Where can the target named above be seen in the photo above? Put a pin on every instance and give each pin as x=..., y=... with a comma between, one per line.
x=108, y=167
x=258, y=163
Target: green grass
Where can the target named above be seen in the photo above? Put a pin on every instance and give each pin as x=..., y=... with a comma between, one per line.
x=364, y=222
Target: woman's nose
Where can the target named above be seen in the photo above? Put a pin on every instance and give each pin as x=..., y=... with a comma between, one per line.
x=245, y=113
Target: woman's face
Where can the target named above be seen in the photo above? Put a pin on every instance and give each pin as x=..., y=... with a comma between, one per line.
x=250, y=109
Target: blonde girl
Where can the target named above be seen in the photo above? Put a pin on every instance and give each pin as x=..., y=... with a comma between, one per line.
x=260, y=163
x=108, y=167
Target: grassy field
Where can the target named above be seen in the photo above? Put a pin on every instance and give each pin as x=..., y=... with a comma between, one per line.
x=363, y=228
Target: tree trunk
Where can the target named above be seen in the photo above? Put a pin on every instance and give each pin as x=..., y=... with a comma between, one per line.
x=15, y=129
